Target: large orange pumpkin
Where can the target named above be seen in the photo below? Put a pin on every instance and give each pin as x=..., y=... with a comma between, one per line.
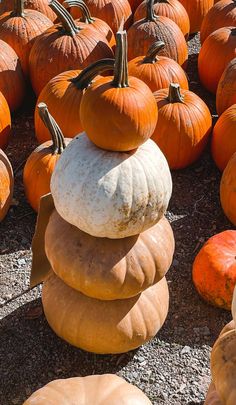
x=63, y=47
x=226, y=90
x=63, y=95
x=41, y=163
x=196, y=9
x=38, y=5
x=143, y=33
x=223, y=14
x=228, y=190
x=214, y=269
x=183, y=126
x=5, y=122
x=127, y=103
x=217, y=51
x=6, y=184
x=20, y=27
x=223, y=144
x=157, y=71
x=134, y=4
x=172, y=9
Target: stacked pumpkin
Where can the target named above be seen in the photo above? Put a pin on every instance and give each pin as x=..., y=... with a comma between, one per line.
x=108, y=242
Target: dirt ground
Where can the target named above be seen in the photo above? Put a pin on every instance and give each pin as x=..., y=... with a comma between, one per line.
x=174, y=367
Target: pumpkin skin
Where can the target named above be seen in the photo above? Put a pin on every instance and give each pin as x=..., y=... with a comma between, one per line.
x=12, y=84
x=134, y=4
x=6, y=184
x=183, y=126
x=21, y=30
x=157, y=71
x=196, y=9
x=172, y=9
x=106, y=389
x=214, y=269
x=108, y=269
x=217, y=51
x=38, y=5
x=223, y=144
x=223, y=14
x=104, y=326
x=226, y=90
x=212, y=397
x=111, y=194
x=5, y=122
x=233, y=309
x=228, y=190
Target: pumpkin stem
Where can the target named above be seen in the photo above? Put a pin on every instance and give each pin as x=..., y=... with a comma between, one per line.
x=153, y=51
x=58, y=141
x=121, y=77
x=83, y=80
x=64, y=17
x=18, y=10
x=86, y=16
x=174, y=95
x=150, y=15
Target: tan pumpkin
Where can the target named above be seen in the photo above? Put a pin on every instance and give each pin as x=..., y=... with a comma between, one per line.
x=212, y=397
x=226, y=90
x=196, y=9
x=228, y=190
x=6, y=184
x=104, y=326
x=105, y=389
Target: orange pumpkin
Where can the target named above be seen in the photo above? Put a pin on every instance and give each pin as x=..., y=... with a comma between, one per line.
x=63, y=47
x=226, y=90
x=223, y=14
x=20, y=27
x=217, y=51
x=134, y=4
x=172, y=9
x=183, y=126
x=223, y=144
x=157, y=71
x=214, y=269
x=196, y=9
x=41, y=163
x=6, y=184
x=5, y=122
x=63, y=95
x=212, y=397
x=143, y=33
x=79, y=7
x=126, y=102
x=38, y=5
x=12, y=84
x=228, y=190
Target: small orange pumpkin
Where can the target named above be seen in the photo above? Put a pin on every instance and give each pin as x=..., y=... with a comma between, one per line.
x=5, y=122
x=228, y=190
x=226, y=90
x=196, y=9
x=41, y=163
x=38, y=5
x=6, y=184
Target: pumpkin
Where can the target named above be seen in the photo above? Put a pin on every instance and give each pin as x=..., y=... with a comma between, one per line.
x=196, y=9
x=126, y=102
x=212, y=397
x=134, y=4
x=143, y=33
x=157, y=71
x=228, y=190
x=6, y=184
x=223, y=144
x=19, y=28
x=12, y=84
x=172, y=9
x=63, y=47
x=41, y=162
x=216, y=52
x=183, y=126
x=223, y=14
x=5, y=121
x=228, y=327
x=38, y=5
x=111, y=194
x=100, y=25
x=214, y=269
x=233, y=308
x=105, y=389
x=226, y=90
x=63, y=95
x=98, y=326
x=108, y=269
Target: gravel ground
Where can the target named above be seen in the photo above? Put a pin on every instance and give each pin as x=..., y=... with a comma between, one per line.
x=174, y=367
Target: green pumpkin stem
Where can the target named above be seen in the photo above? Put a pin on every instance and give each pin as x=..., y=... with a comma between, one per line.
x=86, y=16
x=121, y=77
x=150, y=15
x=174, y=95
x=18, y=10
x=58, y=141
x=64, y=17
x=83, y=80
x=153, y=51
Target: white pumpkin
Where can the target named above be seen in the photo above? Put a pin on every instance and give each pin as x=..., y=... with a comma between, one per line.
x=111, y=194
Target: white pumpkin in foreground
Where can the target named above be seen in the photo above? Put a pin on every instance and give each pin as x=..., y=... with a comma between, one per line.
x=111, y=194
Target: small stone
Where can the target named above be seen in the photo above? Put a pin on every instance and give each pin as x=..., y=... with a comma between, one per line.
x=175, y=262
x=21, y=262
x=185, y=350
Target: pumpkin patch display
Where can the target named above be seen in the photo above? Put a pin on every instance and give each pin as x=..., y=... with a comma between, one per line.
x=38, y=5
x=6, y=184
x=226, y=90
x=228, y=190
x=197, y=10
x=5, y=122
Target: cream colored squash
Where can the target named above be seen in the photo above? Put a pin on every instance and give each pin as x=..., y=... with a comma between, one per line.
x=104, y=326
x=111, y=194
x=106, y=389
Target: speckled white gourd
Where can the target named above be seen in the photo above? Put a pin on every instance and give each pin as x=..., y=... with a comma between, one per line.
x=111, y=194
